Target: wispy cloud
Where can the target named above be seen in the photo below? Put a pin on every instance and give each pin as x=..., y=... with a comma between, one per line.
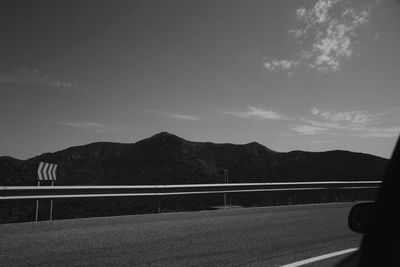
x=177, y=116
x=324, y=35
x=350, y=123
x=184, y=117
x=346, y=118
x=94, y=126
x=282, y=65
x=356, y=123
x=377, y=132
x=325, y=124
x=26, y=76
x=308, y=130
x=257, y=113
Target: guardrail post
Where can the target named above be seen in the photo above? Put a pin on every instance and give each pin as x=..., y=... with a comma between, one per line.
x=158, y=204
x=226, y=178
x=225, y=200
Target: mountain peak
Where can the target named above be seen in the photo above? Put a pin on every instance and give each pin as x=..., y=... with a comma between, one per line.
x=254, y=144
x=257, y=145
x=165, y=137
x=163, y=134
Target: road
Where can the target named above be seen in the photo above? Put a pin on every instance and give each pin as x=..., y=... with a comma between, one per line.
x=268, y=236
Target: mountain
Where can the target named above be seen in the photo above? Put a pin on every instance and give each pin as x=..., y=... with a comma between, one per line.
x=168, y=159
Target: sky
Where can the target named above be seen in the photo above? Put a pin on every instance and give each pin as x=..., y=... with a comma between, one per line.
x=291, y=75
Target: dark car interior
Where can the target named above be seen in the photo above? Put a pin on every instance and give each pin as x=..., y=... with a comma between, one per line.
x=379, y=222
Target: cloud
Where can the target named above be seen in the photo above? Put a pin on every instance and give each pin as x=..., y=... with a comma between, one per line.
x=26, y=76
x=184, y=117
x=282, y=65
x=389, y=132
x=308, y=130
x=347, y=117
x=95, y=126
x=315, y=111
x=177, y=116
x=324, y=124
x=350, y=123
x=325, y=33
x=256, y=113
x=355, y=123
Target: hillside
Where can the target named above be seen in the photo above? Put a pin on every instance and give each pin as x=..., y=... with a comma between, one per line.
x=168, y=159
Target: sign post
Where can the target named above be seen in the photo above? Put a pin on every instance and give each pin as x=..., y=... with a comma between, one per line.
x=46, y=172
x=51, y=204
x=37, y=205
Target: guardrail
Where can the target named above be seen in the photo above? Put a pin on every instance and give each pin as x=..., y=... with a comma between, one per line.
x=53, y=192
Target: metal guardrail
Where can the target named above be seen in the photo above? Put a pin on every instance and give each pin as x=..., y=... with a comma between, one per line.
x=53, y=192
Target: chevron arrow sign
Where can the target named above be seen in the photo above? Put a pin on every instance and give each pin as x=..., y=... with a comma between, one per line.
x=47, y=171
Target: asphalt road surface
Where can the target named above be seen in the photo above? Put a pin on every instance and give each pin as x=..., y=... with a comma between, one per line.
x=270, y=236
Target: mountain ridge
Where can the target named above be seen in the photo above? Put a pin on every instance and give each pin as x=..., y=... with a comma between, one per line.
x=165, y=158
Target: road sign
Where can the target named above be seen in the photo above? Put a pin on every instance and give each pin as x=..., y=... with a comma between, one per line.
x=47, y=171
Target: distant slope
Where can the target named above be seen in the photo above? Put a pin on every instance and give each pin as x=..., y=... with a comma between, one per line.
x=168, y=159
